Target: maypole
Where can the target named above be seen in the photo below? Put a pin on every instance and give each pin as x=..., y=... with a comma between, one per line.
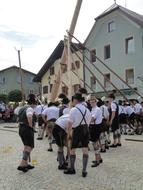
x=57, y=81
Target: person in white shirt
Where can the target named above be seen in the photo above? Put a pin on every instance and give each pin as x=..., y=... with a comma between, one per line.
x=60, y=134
x=95, y=130
x=138, y=111
x=104, y=137
x=41, y=125
x=26, y=131
x=80, y=118
x=50, y=115
x=122, y=117
x=114, y=121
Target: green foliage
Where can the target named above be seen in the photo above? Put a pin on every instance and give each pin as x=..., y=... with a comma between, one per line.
x=15, y=96
x=4, y=98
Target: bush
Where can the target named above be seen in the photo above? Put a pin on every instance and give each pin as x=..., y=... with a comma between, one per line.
x=3, y=98
x=15, y=96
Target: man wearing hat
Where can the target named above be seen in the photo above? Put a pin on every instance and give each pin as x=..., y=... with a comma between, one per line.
x=114, y=121
x=50, y=115
x=26, y=131
x=80, y=118
x=95, y=130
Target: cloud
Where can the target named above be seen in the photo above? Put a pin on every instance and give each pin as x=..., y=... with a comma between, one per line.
x=25, y=39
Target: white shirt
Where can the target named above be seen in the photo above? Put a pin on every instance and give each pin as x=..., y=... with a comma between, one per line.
x=129, y=110
x=97, y=115
x=63, y=121
x=39, y=109
x=105, y=112
x=121, y=109
x=76, y=117
x=51, y=113
x=29, y=111
x=137, y=108
x=113, y=106
x=16, y=111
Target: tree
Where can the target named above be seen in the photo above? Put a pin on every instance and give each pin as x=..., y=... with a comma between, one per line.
x=3, y=98
x=15, y=96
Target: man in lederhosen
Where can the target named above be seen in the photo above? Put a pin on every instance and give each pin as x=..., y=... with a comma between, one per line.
x=80, y=118
x=50, y=115
x=60, y=134
x=114, y=121
x=26, y=131
x=95, y=130
x=41, y=124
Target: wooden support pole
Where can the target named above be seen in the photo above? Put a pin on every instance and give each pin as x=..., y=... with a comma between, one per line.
x=134, y=140
x=91, y=72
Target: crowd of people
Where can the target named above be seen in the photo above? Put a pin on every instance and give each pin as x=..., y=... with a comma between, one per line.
x=6, y=112
x=76, y=122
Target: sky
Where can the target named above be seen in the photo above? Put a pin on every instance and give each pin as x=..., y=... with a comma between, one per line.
x=36, y=27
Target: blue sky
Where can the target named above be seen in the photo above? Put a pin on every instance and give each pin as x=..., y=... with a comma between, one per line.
x=38, y=25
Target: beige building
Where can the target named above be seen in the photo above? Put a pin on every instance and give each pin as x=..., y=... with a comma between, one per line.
x=48, y=72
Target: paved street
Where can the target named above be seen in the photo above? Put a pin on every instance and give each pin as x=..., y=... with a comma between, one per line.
x=122, y=168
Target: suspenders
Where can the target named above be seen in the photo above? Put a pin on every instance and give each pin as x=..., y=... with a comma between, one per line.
x=83, y=116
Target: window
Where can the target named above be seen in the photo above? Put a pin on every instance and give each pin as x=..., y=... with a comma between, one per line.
x=106, y=80
x=45, y=89
x=52, y=71
x=130, y=76
x=93, y=82
x=51, y=86
x=93, y=56
x=107, y=53
x=31, y=91
x=3, y=91
x=111, y=26
x=77, y=63
x=2, y=80
x=31, y=79
x=18, y=79
x=65, y=90
x=129, y=45
x=64, y=68
x=76, y=87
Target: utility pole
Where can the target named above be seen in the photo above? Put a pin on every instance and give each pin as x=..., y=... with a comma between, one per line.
x=21, y=75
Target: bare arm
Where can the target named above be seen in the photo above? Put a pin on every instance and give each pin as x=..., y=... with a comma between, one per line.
x=30, y=117
x=112, y=117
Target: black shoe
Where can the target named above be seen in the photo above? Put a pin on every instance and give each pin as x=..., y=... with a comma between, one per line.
x=46, y=135
x=100, y=161
x=39, y=138
x=30, y=167
x=109, y=142
x=70, y=171
x=22, y=168
x=84, y=174
x=107, y=147
x=50, y=150
x=113, y=146
x=95, y=164
x=63, y=167
x=119, y=144
x=35, y=131
x=103, y=151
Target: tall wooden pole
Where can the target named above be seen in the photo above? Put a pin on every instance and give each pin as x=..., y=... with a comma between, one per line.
x=21, y=75
x=57, y=82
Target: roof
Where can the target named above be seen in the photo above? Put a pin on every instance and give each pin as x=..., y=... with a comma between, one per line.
x=56, y=54
x=135, y=17
x=15, y=67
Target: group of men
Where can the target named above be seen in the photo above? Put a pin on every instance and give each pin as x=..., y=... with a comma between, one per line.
x=72, y=124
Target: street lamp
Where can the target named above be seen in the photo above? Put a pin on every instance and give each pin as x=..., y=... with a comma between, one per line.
x=21, y=75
